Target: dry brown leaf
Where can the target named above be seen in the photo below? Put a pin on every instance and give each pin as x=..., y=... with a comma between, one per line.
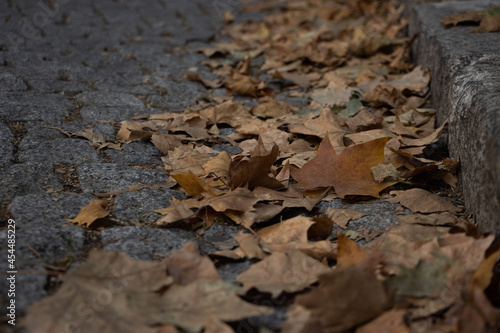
x=219, y=165
x=239, y=199
x=194, y=185
x=344, y=299
x=177, y=211
x=349, y=172
x=190, y=306
x=290, y=272
x=436, y=219
x=392, y=321
x=294, y=229
x=249, y=245
x=187, y=265
x=348, y=252
x=254, y=171
x=165, y=142
x=342, y=216
x=100, y=289
x=89, y=214
x=133, y=131
x=419, y=200
x=272, y=109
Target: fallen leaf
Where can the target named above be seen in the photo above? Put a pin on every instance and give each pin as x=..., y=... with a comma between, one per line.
x=272, y=109
x=294, y=229
x=187, y=265
x=342, y=216
x=419, y=200
x=194, y=185
x=93, y=293
x=249, y=245
x=290, y=272
x=89, y=214
x=177, y=211
x=239, y=199
x=254, y=171
x=392, y=321
x=434, y=219
x=344, y=299
x=348, y=252
x=426, y=279
x=489, y=19
x=190, y=306
x=349, y=172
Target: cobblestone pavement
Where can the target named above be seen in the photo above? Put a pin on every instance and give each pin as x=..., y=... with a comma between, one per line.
x=76, y=64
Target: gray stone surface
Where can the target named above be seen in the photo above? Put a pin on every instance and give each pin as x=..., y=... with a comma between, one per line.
x=107, y=177
x=465, y=76
x=139, y=205
x=67, y=151
x=27, y=178
x=136, y=153
x=6, y=147
x=380, y=213
x=101, y=98
x=46, y=210
x=145, y=243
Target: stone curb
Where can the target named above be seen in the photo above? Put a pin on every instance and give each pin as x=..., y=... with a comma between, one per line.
x=465, y=88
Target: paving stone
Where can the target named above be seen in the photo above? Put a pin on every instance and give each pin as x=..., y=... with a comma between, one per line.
x=117, y=114
x=49, y=245
x=6, y=147
x=27, y=178
x=29, y=287
x=46, y=210
x=11, y=82
x=30, y=106
x=136, y=153
x=98, y=98
x=465, y=76
x=107, y=177
x=381, y=214
x=145, y=243
x=66, y=151
x=228, y=271
x=139, y=205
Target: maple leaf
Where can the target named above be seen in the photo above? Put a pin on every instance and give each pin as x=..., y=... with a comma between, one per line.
x=289, y=271
x=254, y=171
x=92, y=212
x=349, y=172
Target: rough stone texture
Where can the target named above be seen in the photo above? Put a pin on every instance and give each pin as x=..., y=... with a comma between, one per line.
x=6, y=147
x=380, y=214
x=26, y=178
x=47, y=210
x=107, y=177
x=50, y=245
x=67, y=151
x=139, y=205
x=145, y=243
x=465, y=83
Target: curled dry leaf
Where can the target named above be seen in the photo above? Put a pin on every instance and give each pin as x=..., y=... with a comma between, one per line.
x=344, y=299
x=100, y=289
x=254, y=171
x=187, y=265
x=89, y=214
x=289, y=271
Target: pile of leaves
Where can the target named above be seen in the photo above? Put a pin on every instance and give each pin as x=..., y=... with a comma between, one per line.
x=364, y=134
